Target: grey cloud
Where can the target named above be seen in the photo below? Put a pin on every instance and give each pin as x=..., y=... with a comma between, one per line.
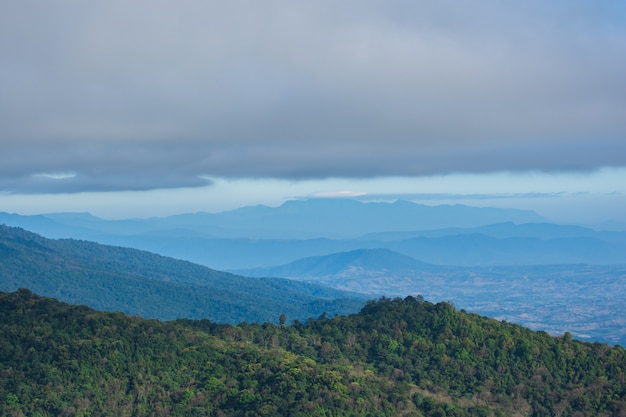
x=164, y=92
x=42, y=184
x=100, y=166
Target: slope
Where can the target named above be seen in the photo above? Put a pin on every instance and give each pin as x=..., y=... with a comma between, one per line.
x=402, y=357
x=149, y=285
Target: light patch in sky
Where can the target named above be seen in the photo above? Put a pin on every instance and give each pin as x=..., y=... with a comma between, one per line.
x=56, y=175
x=337, y=194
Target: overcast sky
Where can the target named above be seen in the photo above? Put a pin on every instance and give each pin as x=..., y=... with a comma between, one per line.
x=103, y=103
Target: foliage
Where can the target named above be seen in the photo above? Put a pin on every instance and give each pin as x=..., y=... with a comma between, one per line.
x=396, y=357
x=141, y=283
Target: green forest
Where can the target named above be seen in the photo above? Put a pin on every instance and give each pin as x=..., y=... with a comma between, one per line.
x=110, y=278
x=397, y=357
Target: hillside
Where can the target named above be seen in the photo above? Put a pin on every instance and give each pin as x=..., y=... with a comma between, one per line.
x=585, y=300
x=402, y=357
x=152, y=286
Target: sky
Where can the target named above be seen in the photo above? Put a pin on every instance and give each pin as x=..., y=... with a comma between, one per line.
x=149, y=108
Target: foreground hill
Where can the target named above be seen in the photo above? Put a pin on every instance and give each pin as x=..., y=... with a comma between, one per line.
x=395, y=358
x=141, y=283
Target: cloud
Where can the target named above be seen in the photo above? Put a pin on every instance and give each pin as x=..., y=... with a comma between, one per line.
x=56, y=175
x=159, y=94
x=335, y=194
x=461, y=197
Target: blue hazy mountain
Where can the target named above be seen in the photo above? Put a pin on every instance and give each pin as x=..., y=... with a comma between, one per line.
x=352, y=262
x=295, y=219
x=265, y=236
x=478, y=249
x=341, y=218
x=141, y=283
x=473, y=249
x=506, y=230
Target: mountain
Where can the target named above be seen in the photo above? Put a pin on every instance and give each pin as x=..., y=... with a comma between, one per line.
x=141, y=283
x=401, y=357
x=356, y=262
x=295, y=219
x=544, y=231
x=466, y=249
x=263, y=236
x=480, y=249
x=344, y=218
x=584, y=300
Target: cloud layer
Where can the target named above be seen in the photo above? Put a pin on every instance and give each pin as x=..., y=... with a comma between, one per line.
x=161, y=94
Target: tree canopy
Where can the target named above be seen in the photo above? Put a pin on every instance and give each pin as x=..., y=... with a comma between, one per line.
x=396, y=357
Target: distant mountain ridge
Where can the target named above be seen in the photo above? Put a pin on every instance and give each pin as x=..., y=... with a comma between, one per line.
x=506, y=230
x=345, y=218
x=141, y=283
x=477, y=249
x=262, y=236
x=294, y=219
x=352, y=262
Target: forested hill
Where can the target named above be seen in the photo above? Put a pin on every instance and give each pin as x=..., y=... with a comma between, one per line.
x=141, y=283
x=401, y=357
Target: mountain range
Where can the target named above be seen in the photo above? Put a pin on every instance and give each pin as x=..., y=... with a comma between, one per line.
x=546, y=276
x=294, y=219
x=582, y=299
x=262, y=236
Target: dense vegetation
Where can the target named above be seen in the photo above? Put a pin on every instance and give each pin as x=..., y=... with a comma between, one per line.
x=396, y=357
x=141, y=283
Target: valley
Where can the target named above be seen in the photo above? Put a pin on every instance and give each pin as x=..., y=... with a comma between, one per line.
x=584, y=300
x=508, y=264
